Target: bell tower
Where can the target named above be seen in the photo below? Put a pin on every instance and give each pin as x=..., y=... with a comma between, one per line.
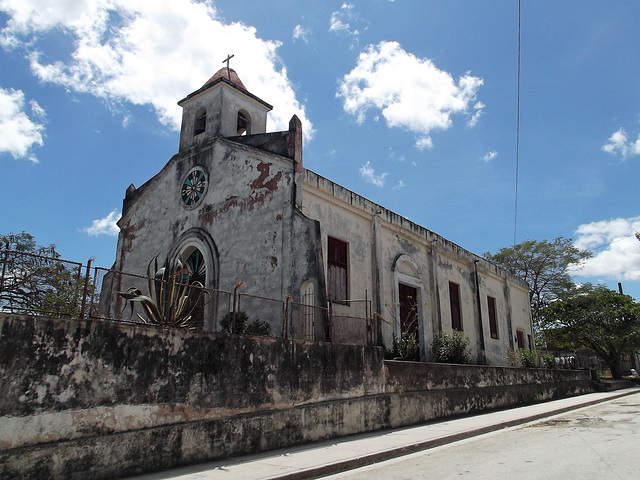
x=222, y=107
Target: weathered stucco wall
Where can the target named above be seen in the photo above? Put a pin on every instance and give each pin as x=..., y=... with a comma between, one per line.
x=386, y=249
x=93, y=399
x=244, y=225
x=222, y=101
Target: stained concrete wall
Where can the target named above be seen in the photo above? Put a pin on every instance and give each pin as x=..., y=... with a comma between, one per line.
x=94, y=399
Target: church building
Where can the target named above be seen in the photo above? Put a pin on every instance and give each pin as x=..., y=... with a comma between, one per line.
x=235, y=204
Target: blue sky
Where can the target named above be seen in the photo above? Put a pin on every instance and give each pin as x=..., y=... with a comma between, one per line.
x=412, y=104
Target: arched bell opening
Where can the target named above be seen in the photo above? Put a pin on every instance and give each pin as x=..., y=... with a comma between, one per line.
x=243, y=124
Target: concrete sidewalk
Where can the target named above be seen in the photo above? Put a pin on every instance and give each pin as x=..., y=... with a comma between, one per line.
x=345, y=453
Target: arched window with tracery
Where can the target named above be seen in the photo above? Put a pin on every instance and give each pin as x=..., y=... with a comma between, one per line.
x=195, y=269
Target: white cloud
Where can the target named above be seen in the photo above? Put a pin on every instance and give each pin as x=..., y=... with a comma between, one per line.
x=149, y=53
x=399, y=186
x=616, y=250
x=19, y=133
x=409, y=92
x=490, y=156
x=105, y=226
x=396, y=157
x=478, y=110
x=341, y=21
x=301, y=33
x=369, y=174
x=619, y=143
x=424, y=142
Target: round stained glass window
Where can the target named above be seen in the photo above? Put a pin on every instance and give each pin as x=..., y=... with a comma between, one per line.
x=194, y=187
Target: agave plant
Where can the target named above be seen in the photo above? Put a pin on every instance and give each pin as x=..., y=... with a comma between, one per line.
x=171, y=300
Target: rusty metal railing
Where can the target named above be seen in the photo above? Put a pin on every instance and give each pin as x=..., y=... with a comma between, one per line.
x=33, y=284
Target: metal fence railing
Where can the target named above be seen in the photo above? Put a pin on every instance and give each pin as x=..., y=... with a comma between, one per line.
x=40, y=285
x=33, y=284
x=352, y=321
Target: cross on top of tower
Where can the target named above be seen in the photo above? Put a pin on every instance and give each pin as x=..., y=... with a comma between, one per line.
x=226, y=60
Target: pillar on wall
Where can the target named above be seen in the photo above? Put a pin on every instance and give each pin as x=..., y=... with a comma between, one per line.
x=378, y=277
x=436, y=313
x=482, y=359
x=507, y=299
x=294, y=145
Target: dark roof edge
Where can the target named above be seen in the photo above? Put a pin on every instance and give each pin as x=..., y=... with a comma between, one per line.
x=231, y=84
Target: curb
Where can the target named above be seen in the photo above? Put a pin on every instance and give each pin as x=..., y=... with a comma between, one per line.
x=381, y=456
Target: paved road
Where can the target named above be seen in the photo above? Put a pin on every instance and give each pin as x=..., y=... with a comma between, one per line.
x=597, y=442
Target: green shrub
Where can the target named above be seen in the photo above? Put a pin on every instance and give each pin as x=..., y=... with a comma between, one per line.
x=450, y=348
x=406, y=347
x=242, y=327
x=549, y=360
x=258, y=328
x=512, y=358
x=227, y=322
x=528, y=358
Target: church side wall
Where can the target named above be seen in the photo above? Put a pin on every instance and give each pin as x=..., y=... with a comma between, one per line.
x=351, y=227
x=453, y=269
x=396, y=246
x=493, y=286
x=401, y=252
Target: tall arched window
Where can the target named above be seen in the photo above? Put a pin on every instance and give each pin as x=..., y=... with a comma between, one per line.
x=200, y=124
x=196, y=272
x=307, y=299
x=244, y=123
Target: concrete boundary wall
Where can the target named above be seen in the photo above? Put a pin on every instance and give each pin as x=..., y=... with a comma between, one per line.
x=95, y=399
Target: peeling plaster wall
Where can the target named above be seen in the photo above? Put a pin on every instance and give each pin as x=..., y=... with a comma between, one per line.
x=247, y=212
x=95, y=399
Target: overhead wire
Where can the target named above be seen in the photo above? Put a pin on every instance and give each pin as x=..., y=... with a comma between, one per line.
x=593, y=249
x=515, y=215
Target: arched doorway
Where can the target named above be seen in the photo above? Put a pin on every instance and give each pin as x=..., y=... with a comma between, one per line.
x=408, y=290
x=199, y=256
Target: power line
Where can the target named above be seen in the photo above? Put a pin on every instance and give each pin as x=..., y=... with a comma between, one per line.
x=612, y=242
x=515, y=215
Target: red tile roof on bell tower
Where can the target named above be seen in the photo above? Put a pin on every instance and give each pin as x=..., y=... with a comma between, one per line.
x=228, y=73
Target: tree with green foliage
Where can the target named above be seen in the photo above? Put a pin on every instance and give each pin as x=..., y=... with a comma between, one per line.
x=544, y=265
x=35, y=280
x=597, y=318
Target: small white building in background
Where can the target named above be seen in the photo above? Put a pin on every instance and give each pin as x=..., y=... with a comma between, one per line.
x=235, y=204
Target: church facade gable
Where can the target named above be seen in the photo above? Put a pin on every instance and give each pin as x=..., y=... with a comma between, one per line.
x=242, y=221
